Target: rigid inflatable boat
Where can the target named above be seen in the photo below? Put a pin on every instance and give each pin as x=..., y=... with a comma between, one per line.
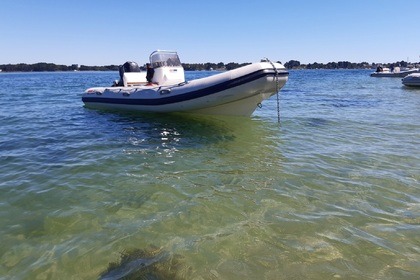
x=236, y=92
x=412, y=80
x=397, y=72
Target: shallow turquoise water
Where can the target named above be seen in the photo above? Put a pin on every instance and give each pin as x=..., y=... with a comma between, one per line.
x=332, y=192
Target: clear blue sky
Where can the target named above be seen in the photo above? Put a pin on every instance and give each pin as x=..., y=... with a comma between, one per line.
x=103, y=32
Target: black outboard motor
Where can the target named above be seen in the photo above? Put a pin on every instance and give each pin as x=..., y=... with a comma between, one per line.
x=127, y=67
x=130, y=66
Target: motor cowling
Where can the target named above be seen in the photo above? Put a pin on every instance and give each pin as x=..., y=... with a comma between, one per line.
x=128, y=67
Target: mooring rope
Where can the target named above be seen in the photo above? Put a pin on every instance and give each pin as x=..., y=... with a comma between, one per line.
x=277, y=89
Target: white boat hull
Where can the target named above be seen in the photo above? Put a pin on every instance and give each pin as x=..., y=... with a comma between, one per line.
x=400, y=74
x=412, y=80
x=236, y=92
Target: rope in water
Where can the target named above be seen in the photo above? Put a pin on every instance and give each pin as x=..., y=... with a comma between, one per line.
x=277, y=89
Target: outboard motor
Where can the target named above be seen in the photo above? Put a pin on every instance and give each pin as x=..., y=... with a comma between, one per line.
x=131, y=66
x=127, y=67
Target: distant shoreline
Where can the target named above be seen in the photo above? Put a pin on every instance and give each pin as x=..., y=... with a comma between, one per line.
x=292, y=64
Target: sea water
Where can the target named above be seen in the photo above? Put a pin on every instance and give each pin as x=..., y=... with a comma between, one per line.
x=330, y=192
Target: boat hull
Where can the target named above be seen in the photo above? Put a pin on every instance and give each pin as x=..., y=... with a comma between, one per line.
x=401, y=74
x=412, y=80
x=235, y=92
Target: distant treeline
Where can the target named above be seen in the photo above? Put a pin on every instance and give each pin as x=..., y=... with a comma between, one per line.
x=292, y=64
x=42, y=66
x=211, y=66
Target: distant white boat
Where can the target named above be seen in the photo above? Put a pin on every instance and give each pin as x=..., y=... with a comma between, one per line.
x=236, y=92
x=397, y=72
x=412, y=80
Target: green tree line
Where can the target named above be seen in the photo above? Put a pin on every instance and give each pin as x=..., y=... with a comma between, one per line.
x=292, y=64
x=42, y=66
x=295, y=64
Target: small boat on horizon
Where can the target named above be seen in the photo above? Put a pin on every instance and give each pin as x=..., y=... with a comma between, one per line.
x=236, y=92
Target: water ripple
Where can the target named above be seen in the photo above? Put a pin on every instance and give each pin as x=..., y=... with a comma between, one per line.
x=333, y=191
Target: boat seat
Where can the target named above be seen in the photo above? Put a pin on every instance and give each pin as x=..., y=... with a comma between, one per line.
x=131, y=79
